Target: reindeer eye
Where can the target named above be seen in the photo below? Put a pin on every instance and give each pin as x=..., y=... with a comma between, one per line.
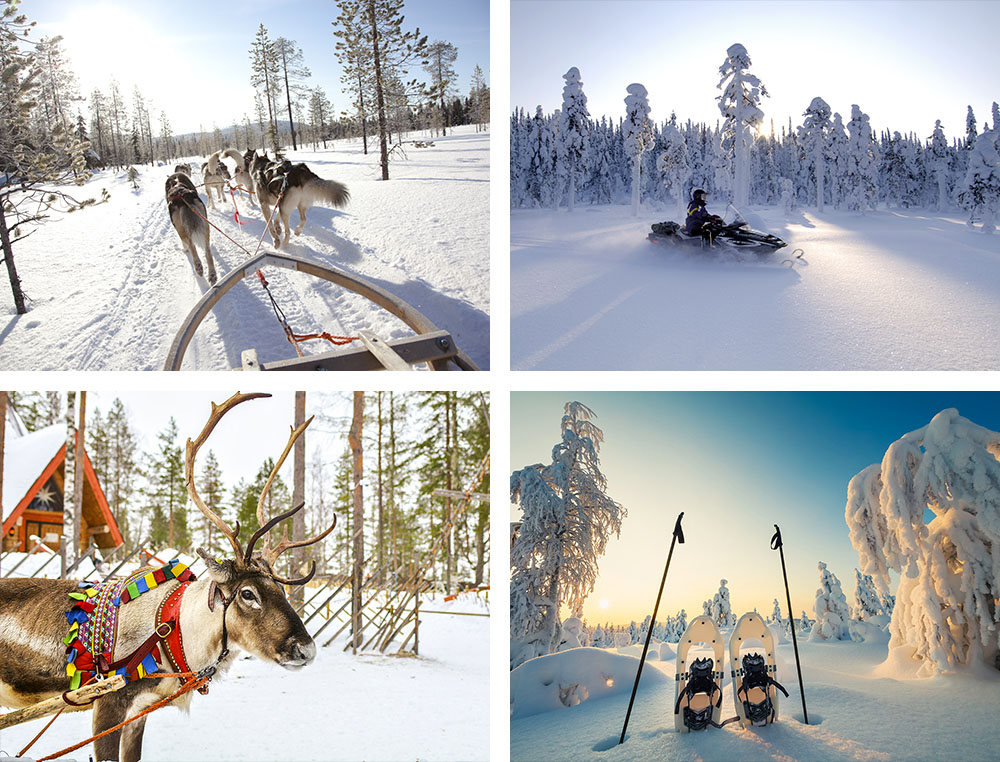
x=247, y=595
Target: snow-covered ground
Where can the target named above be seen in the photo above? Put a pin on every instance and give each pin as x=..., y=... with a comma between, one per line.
x=341, y=707
x=111, y=285
x=858, y=710
x=893, y=290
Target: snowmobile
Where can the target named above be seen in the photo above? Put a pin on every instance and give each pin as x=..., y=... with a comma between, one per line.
x=736, y=237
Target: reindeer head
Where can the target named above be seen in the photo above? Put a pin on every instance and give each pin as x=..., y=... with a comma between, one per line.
x=260, y=618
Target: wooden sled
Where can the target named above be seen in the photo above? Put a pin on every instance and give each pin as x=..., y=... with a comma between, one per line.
x=430, y=345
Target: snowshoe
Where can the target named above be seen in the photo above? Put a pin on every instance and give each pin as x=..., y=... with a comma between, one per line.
x=755, y=691
x=698, y=697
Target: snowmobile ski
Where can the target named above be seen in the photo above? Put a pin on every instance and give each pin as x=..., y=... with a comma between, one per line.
x=698, y=694
x=755, y=690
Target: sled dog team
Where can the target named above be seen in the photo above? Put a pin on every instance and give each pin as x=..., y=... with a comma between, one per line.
x=289, y=186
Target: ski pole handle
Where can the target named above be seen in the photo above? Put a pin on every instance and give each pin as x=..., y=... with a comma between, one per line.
x=678, y=532
x=776, y=538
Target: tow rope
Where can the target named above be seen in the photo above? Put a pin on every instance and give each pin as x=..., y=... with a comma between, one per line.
x=296, y=338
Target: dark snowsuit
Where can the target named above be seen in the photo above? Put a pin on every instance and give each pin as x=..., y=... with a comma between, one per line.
x=697, y=216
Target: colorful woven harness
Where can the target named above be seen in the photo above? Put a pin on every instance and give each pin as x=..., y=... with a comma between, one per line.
x=93, y=621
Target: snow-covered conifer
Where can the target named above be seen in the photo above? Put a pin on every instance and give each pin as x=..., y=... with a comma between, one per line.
x=597, y=637
x=940, y=164
x=814, y=135
x=946, y=599
x=862, y=188
x=837, y=150
x=706, y=607
x=804, y=623
x=788, y=195
x=740, y=105
x=638, y=136
x=831, y=608
x=567, y=519
x=573, y=131
x=970, y=129
x=721, y=610
x=672, y=164
x=980, y=191
x=867, y=602
x=776, y=613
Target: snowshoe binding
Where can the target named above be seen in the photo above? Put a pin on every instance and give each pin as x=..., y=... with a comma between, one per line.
x=698, y=697
x=755, y=691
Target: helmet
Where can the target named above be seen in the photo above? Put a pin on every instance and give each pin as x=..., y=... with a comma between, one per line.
x=697, y=193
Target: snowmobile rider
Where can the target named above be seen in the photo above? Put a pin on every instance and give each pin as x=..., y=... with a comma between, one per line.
x=699, y=221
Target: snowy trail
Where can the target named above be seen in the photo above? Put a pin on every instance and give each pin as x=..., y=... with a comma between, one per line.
x=889, y=291
x=111, y=285
x=854, y=716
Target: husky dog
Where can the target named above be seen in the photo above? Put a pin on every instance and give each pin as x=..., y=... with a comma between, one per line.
x=184, y=205
x=216, y=173
x=297, y=187
x=185, y=168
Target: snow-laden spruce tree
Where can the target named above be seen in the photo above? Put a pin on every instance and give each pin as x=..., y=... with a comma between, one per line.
x=836, y=153
x=979, y=192
x=831, y=608
x=814, y=135
x=721, y=610
x=740, y=105
x=706, y=607
x=866, y=597
x=540, y=172
x=776, y=614
x=567, y=519
x=940, y=164
x=971, y=134
x=638, y=136
x=680, y=624
x=804, y=623
x=672, y=164
x=574, y=127
x=945, y=610
x=861, y=192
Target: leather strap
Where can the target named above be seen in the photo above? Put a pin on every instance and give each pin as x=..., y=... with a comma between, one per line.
x=168, y=629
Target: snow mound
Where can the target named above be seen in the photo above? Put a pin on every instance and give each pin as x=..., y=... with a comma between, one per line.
x=867, y=632
x=569, y=678
x=667, y=652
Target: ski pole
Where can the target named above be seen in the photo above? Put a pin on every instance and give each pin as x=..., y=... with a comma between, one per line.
x=678, y=537
x=777, y=545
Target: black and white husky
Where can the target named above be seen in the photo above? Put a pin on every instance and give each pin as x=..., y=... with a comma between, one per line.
x=184, y=206
x=296, y=186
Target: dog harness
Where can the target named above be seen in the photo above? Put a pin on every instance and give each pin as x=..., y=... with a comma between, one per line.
x=93, y=628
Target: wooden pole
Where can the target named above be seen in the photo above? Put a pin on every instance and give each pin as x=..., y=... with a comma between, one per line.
x=70, y=528
x=357, y=474
x=51, y=706
x=81, y=539
x=3, y=434
x=299, y=497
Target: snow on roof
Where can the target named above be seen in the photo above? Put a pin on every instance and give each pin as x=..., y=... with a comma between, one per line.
x=24, y=459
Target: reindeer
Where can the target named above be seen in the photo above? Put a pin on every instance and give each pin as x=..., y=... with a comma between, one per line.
x=239, y=604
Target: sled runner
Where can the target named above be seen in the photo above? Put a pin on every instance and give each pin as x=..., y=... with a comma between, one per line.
x=755, y=691
x=698, y=696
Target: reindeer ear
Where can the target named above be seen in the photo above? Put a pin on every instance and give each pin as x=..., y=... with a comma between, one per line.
x=220, y=570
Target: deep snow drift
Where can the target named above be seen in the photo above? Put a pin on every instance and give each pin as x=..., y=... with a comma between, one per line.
x=893, y=290
x=111, y=285
x=340, y=707
x=857, y=711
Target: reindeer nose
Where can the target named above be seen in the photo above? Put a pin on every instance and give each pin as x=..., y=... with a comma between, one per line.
x=303, y=653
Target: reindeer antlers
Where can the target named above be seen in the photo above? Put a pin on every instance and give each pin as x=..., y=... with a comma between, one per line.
x=269, y=554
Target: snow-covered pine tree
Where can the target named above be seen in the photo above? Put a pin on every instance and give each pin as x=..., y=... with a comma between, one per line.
x=539, y=180
x=946, y=599
x=721, y=610
x=567, y=519
x=862, y=188
x=638, y=136
x=740, y=105
x=597, y=637
x=939, y=164
x=831, y=608
x=814, y=136
x=970, y=129
x=866, y=597
x=776, y=613
x=706, y=608
x=574, y=128
x=837, y=150
x=980, y=191
x=672, y=164
x=804, y=623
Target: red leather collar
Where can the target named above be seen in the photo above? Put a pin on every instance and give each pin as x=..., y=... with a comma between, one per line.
x=168, y=627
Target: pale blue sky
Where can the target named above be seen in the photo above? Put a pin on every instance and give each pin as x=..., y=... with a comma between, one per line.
x=191, y=57
x=904, y=64
x=736, y=463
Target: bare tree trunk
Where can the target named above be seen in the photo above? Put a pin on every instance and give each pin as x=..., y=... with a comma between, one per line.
x=82, y=539
x=357, y=474
x=379, y=95
x=298, y=496
x=381, y=505
x=291, y=121
x=449, y=484
x=8, y=257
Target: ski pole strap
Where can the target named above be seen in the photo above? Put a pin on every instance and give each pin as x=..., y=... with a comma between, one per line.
x=678, y=532
x=776, y=540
